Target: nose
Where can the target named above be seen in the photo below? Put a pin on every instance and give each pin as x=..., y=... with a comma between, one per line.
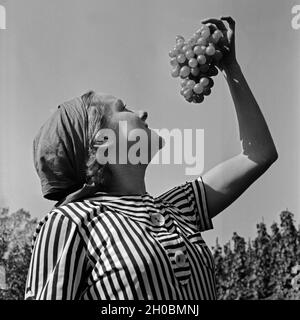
x=143, y=115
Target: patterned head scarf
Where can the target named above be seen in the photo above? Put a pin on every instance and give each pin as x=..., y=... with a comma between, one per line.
x=60, y=150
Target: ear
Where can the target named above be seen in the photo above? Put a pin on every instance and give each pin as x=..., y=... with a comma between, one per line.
x=105, y=151
x=105, y=142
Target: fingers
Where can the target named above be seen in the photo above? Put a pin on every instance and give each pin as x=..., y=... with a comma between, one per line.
x=218, y=23
x=230, y=21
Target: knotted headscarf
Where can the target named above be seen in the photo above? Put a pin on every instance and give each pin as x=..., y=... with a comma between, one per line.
x=60, y=150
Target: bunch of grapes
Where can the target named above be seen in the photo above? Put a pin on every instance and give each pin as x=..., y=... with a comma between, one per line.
x=194, y=61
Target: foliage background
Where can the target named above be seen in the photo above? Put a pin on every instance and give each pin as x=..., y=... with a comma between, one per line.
x=263, y=268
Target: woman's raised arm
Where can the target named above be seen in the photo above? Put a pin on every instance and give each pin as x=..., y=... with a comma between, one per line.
x=228, y=180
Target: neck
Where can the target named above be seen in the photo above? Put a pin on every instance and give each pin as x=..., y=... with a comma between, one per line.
x=127, y=179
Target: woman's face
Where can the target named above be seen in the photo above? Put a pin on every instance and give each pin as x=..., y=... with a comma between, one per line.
x=128, y=124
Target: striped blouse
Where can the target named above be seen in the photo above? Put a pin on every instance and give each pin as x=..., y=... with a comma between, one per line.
x=125, y=247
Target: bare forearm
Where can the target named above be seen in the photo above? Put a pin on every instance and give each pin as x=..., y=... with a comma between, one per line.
x=255, y=136
x=225, y=182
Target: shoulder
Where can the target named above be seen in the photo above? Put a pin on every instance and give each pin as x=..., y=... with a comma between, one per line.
x=81, y=213
x=75, y=215
x=190, y=200
x=177, y=196
x=184, y=193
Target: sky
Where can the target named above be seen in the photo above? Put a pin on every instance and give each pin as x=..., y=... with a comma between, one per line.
x=55, y=50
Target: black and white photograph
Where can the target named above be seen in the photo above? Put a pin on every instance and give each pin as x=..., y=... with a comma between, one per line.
x=150, y=150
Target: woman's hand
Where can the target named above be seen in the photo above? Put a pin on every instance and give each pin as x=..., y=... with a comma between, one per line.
x=227, y=43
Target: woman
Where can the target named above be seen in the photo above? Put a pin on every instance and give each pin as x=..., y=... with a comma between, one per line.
x=107, y=238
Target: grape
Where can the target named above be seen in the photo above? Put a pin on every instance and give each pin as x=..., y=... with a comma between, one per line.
x=216, y=36
x=179, y=38
x=181, y=58
x=212, y=40
x=174, y=62
x=189, y=54
x=205, y=34
x=176, y=51
x=188, y=93
x=190, y=84
x=184, y=82
x=182, y=91
x=198, y=88
x=204, y=82
x=192, y=41
x=184, y=71
x=204, y=27
x=222, y=33
x=198, y=98
x=201, y=41
x=218, y=33
x=172, y=53
x=196, y=36
x=198, y=32
x=186, y=48
x=206, y=91
x=210, y=50
x=179, y=45
x=201, y=59
x=199, y=50
x=203, y=48
x=204, y=68
x=193, y=63
x=175, y=72
x=195, y=71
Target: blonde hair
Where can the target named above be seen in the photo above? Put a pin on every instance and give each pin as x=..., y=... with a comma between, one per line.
x=97, y=119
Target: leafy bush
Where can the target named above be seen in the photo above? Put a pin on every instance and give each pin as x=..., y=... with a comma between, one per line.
x=16, y=231
x=265, y=268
